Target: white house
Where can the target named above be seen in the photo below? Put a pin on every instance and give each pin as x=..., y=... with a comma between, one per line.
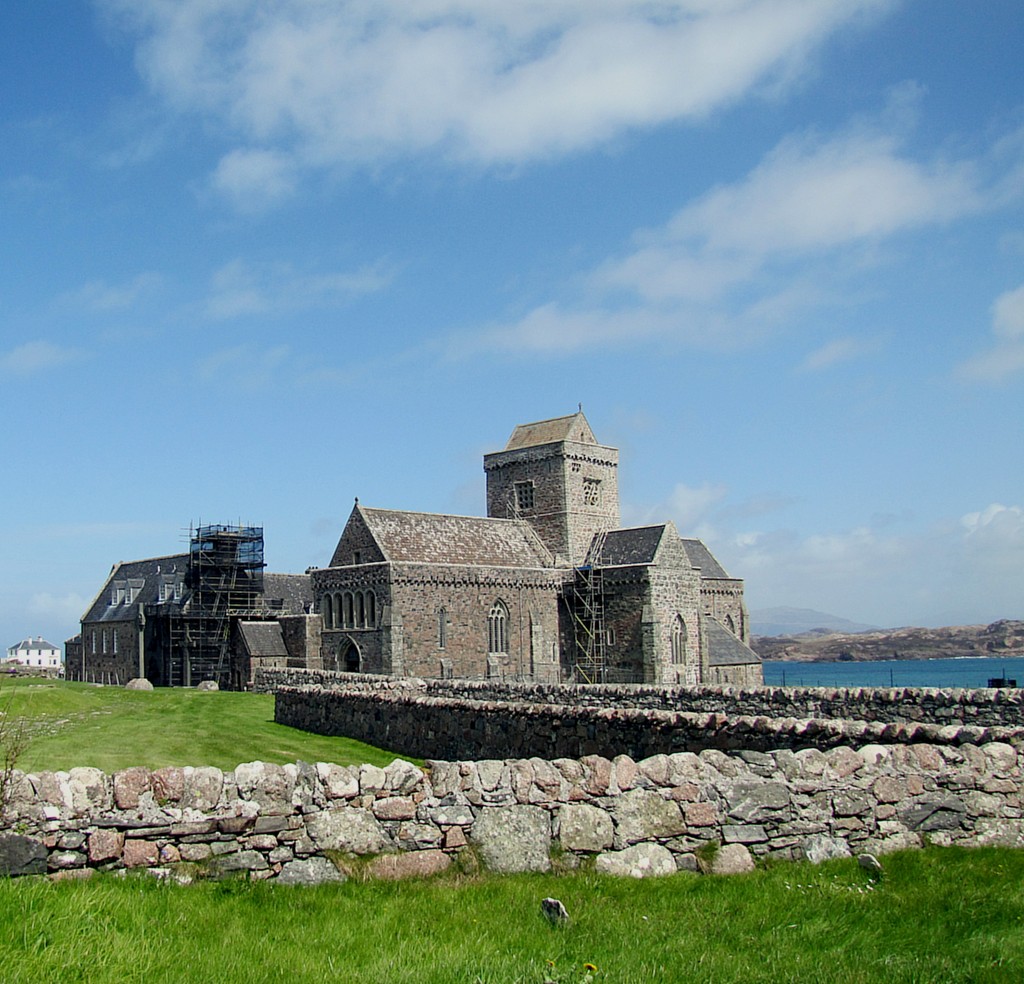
x=35, y=652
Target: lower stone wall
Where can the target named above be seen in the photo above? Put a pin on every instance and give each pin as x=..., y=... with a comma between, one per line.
x=713, y=811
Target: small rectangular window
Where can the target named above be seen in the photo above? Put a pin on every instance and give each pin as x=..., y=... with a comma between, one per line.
x=357, y=557
x=524, y=495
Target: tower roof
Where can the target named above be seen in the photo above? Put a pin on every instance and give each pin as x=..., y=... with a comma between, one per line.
x=572, y=428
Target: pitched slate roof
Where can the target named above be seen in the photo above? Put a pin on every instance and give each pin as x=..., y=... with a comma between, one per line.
x=263, y=638
x=632, y=546
x=435, y=538
x=294, y=591
x=724, y=649
x=33, y=644
x=701, y=558
x=145, y=575
x=571, y=428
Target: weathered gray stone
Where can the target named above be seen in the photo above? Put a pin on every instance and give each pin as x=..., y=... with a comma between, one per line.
x=750, y=800
x=638, y=861
x=207, y=686
x=514, y=838
x=820, y=847
x=582, y=827
x=105, y=845
x=239, y=861
x=349, y=829
x=372, y=779
x=91, y=790
x=642, y=814
x=744, y=833
x=266, y=784
x=309, y=871
x=403, y=777
x=415, y=864
x=732, y=859
x=202, y=787
x=20, y=855
x=138, y=683
x=454, y=814
x=338, y=781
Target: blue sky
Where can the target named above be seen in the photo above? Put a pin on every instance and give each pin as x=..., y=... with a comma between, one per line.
x=259, y=257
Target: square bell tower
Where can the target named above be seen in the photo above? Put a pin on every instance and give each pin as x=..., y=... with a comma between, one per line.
x=555, y=475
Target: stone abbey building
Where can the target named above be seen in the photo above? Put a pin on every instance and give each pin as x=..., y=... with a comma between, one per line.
x=548, y=588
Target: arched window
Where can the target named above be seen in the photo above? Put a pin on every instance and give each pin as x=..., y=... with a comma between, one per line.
x=442, y=628
x=679, y=641
x=730, y=624
x=346, y=610
x=360, y=610
x=497, y=628
x=371, y=609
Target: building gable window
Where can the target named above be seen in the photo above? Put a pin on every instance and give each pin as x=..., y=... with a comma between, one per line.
x=497, y=628
x=679, y=641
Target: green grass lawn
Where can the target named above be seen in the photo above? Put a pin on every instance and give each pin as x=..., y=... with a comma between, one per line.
x=111, y=728
x=937, y=915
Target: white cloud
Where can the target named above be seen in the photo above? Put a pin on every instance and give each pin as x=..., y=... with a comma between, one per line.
x=36, y=357
x=66, y=608
x=884, y=571
x=240, y=288
x=244, y=366
x=1006, y=357
x=311, y=84
x=836, y=352
x=101, y=297
x=787, y=238
x=255, y=179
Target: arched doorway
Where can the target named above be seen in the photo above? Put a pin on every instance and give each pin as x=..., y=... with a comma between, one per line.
x=348, y=657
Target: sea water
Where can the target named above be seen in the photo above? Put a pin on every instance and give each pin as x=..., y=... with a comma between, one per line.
x=968, y=672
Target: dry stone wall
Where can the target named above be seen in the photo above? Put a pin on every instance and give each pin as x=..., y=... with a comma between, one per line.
x=979, y=708
x=714, y=811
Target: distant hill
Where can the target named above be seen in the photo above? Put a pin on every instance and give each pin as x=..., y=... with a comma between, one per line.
x=798, y=621
x=1003, y=638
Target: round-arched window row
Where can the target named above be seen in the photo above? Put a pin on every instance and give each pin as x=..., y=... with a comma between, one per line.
x=349, y=610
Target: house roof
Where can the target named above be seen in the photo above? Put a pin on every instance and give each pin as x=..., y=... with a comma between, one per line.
x=632, y=546
x=436, y=538
x=34, y=645
x=571, y=428
x=263, y=638
x=145, y=576
x=724, y=649
x=293, y=591
x=701, y=558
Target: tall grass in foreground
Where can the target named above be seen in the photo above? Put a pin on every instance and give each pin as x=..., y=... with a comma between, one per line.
x=111, y=728
x=937, y=915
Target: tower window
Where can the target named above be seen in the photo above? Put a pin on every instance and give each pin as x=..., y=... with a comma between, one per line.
x=591, y=492
x=442, y=628
x=524, y=495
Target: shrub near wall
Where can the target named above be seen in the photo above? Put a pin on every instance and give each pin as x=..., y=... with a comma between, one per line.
x=714, y=811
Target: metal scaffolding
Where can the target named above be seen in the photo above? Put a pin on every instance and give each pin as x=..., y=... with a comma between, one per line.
x=586, y=605
x=225, y=580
